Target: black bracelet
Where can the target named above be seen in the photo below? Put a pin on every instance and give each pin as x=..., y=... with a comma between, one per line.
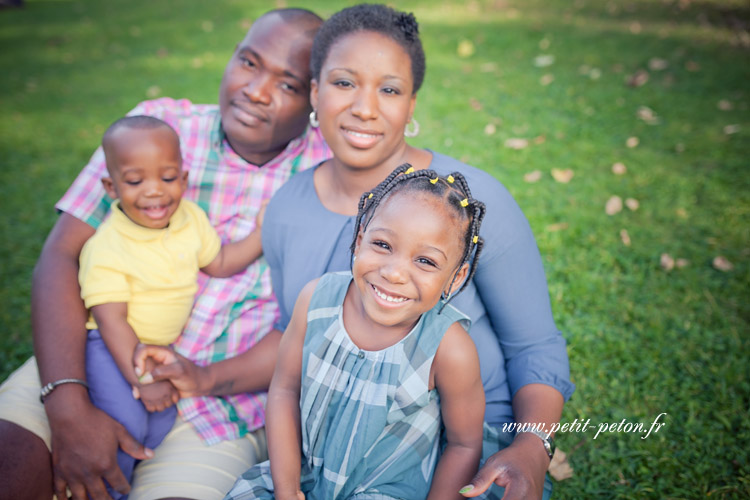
x=47, y=389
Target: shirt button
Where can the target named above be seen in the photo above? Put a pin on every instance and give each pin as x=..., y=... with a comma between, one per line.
x=361, y=355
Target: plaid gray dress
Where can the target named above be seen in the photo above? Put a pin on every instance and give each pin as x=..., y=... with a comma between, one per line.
x=370, y=424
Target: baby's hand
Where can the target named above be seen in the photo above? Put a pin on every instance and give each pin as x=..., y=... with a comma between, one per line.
x=158, y=396
x=260, y=216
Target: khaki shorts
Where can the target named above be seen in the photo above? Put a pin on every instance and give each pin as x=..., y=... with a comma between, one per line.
x=182, y=465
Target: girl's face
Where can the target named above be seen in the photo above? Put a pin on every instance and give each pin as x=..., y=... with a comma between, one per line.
x=407, y=257
x=364, y=99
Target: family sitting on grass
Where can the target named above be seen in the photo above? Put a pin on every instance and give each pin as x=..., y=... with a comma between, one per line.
x=377, y=259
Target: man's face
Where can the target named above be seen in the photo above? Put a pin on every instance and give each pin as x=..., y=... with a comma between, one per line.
x=265, y=92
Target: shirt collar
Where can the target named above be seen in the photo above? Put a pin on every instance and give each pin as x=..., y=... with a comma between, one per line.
x=134, y=231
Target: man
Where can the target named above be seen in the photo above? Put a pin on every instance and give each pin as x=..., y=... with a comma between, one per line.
x=237, y=155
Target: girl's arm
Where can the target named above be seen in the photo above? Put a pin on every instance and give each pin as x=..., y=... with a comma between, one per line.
x=282, y=410
x=457, y=379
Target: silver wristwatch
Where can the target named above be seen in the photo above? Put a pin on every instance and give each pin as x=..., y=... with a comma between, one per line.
x=549, y=443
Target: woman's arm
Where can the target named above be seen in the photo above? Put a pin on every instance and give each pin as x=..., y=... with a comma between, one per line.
x=457, y=378
x=520, y=467
x=282, y=411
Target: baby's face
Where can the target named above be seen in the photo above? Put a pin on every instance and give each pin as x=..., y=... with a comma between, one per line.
x=147, y=176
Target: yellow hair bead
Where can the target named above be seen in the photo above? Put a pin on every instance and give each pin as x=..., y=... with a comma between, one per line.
x=409, y=170
x=369, y=196
x=476, y=239
x=450, y=179
x=434, y=181
x=465, y=202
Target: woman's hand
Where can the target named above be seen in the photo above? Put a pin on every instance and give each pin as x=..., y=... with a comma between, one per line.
x=519, y=468
x=188, y=378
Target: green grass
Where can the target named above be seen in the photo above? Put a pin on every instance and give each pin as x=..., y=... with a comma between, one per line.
x=642, y=340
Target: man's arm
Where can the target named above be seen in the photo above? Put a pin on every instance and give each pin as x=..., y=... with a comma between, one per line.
x=249, y=371
x=84, y=439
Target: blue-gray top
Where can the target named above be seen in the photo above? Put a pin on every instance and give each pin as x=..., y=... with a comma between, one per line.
x=507, y=300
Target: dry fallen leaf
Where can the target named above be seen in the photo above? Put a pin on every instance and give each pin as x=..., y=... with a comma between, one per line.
x=488, y=67
x=490, y=129
x=632, y=142
x=725, y=105
x=547, y=79
x=613, y=206
x=666, y=262
x=562, y=175
x=625, y=237
x=638, y=79
x=619, y=168
x=557, y=227
x=648, y=115
x=721, y=263
x=559, y=468
x=731, y=129
x=680, y=263
x=475, y=105
x=681, y=213
x=544, y=60
x=533, y=176
x=657, y=64
x=540, y=139
x=465, y=48
x=153, y=91
x=635, y=27
x=632, y=204
x=692, y=66
x=516, y=143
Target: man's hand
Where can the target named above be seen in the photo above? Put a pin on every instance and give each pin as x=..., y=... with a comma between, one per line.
x=84, y=450
x=519, y=468
x=187, y=377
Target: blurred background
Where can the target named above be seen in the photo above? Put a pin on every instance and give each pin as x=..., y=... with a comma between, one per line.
x=621, y=127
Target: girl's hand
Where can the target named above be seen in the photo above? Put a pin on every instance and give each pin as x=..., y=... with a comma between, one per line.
x=519, y=468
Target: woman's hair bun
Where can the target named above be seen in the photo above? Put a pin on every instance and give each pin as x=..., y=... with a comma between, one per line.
x=408, y=25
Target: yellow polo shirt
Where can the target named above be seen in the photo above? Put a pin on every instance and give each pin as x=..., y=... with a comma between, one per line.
x=154, y=270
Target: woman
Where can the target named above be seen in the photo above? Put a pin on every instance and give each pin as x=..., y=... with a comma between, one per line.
x=368, y=65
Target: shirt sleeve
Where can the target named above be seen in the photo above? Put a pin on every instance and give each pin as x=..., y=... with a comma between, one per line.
x=210, y=241
x=102, y=282
x=273, y=253
x=511, y=282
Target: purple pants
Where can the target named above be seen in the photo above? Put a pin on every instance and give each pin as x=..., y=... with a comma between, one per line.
x=111, y=393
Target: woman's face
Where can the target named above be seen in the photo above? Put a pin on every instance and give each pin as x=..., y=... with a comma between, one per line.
x=364, y=99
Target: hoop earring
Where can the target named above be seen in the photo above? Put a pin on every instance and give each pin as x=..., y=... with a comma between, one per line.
x=414, y=130
x=314, y=123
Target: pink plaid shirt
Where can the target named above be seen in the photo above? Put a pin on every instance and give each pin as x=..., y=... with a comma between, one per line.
x=230, y=315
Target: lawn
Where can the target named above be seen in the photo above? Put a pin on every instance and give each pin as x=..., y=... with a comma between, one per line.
x=621, y=127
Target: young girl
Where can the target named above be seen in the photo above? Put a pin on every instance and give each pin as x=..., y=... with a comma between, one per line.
x=372, y=360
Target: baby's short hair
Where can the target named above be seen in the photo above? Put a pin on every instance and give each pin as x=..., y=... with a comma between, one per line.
x=138, y=122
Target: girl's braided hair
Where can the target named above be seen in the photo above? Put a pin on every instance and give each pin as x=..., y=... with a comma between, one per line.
x=453, y=190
